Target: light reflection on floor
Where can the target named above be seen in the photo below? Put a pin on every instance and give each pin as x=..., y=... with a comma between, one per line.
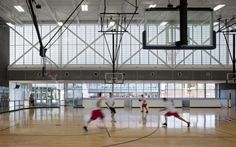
x=199, y=118
x=64, y=127
x=143, y=120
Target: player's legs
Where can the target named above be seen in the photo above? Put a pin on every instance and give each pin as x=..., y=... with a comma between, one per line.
x=113, y=112
x=167, y=114
x=165, y=123
x=180, y=118
x=175, y=114
x=95, y=114
x=85, y=126
x=146, y=108
x=142, y=108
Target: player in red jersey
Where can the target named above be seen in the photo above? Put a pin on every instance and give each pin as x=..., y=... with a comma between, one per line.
x=96, y=113
x=144, y=103
x=169, y=106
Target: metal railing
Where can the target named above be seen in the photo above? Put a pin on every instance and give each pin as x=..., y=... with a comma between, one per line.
x=12, y=105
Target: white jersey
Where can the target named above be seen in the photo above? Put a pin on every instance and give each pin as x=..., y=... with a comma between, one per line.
x=169, y=106
x=110, y=102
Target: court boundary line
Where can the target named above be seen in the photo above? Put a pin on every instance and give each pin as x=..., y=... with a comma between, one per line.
x=133, y=140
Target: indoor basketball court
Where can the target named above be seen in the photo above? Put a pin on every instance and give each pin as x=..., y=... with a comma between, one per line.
x=101, y=73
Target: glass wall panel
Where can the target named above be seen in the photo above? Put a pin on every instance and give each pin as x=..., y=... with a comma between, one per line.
x=89, y=46
x=178, y=90
x=210, y=91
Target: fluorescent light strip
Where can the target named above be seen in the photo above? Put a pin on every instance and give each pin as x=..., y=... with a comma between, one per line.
x=10, y=24
x=215, y=23
x=152, y=6
x=163, y=23
x=60, y=23
x=84, y=7
x=218, y=7
x=111, y=24
x=19, y=8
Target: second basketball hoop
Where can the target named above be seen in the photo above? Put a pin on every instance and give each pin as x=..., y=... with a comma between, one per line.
x=114, y=78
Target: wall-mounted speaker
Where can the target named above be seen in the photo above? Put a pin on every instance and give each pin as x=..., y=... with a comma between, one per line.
x=17, y=86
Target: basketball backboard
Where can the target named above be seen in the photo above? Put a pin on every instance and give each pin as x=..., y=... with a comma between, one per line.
x=231, y=78
x=114, y=78
x=162, y=29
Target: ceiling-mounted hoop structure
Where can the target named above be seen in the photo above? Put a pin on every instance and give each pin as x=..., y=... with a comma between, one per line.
x=115, y=24
x=183, y=22
x=119, y=19
x=229, y=31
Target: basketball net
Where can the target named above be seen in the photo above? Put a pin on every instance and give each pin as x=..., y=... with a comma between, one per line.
x=113, y=81
x=52, y=75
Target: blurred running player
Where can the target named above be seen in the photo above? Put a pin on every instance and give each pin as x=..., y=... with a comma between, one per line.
x=96, y=113
x=171, y=111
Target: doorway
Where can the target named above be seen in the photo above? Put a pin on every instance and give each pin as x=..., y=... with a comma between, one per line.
x=46, y=96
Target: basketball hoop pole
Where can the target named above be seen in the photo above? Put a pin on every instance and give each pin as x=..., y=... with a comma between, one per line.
x=234, y=55
x=113, y=59
x=116, y=26
x=233, y=33
x=183, y=22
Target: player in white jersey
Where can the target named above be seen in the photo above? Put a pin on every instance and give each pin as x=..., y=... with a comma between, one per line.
x=110, y=102
x=171, y=111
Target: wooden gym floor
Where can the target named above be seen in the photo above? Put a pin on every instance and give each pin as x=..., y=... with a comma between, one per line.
x=63, y=128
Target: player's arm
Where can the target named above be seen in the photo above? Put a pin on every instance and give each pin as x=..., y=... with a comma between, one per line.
x=106, y=102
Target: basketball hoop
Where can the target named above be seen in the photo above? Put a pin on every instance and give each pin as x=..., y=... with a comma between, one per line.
x=52, y=75
x=230, y=78
x=114, y=81
x=114, y=78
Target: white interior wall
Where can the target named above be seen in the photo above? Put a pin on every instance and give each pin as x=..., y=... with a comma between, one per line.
x=200, y=103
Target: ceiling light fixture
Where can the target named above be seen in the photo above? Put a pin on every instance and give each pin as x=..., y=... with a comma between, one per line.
x=218, y=7
x=84, y=7
x=60, y=23
x=163, y=23
x=19, y=8
x=111, y=24
x=10, y=24
x=152, y=6
x=215, y=23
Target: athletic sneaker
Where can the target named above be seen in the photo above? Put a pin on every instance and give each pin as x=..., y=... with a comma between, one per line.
x=164, y=124
x=188, y=124
x=142, y=111
x=146, y=111
x=85, y=128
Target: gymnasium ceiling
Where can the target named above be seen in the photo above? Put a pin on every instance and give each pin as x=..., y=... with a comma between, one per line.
x=59, y=10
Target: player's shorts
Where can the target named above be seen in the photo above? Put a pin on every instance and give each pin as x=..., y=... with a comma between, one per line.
x=112, y=109
x=97, y=114
x=144, y=105
x=175, y=114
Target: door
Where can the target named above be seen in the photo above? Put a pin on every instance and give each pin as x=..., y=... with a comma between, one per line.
x=46, y=96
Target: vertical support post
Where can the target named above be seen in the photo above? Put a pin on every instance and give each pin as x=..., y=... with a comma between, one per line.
x=113, y=60
x=113, y=53
x=234, y=54
x=183, y=22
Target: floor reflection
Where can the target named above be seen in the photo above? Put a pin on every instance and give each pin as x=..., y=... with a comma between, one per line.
x=199, y=118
